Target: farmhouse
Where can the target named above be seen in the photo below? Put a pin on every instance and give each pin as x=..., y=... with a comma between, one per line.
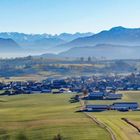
x=120, y=106
x=103, y=96
x=46, y=91
x=112, y=96
x=96, y=108
x=95, y=96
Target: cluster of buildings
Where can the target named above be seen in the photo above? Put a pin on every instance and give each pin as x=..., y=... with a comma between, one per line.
x=98, y=87
x=119, y=106
x=103, y=96
x=76, y=85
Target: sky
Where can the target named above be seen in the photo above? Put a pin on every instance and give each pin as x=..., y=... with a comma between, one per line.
x=57, y=16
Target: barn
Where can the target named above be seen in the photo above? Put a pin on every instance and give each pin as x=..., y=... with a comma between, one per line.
x=95, y=96
x=112, y=96
x=124, y=105
x=96, y=108
x=120, y=106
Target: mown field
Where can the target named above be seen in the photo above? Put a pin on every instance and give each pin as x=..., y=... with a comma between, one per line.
x=42, y=116
x=122, y=130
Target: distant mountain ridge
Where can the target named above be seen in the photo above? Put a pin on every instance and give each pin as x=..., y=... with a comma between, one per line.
x=8, y=45
x=117, y=35
x=19, y=37
x=118, y=42
x=107, y=51
x=41, y=41
x=70, y=37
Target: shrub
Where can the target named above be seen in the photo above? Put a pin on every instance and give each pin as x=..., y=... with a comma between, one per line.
x=21, y=136
x=58, y=137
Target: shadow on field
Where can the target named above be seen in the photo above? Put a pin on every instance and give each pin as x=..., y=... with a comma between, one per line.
x=3, y=101
x=4, y=135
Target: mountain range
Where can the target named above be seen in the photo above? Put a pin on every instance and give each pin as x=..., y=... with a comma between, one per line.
x=41, y=41
x=118, y=42
x=117, y=35
x=106, y=51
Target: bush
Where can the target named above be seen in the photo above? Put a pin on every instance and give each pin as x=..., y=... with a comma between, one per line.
x=58, y=137
x=21, y=136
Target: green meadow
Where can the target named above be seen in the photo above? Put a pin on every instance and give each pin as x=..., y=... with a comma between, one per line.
x=43, y=116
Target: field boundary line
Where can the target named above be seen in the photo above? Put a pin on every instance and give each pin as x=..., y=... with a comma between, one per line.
x=101, y=124
x=131, y=123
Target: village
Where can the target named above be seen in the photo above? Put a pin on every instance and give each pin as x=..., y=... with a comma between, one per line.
x=92, y=87
x=73, y=85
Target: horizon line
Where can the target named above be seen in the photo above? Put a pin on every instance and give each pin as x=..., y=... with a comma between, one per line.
x=55, y=34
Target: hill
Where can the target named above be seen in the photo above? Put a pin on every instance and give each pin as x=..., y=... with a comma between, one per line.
x=43, y=43
x=49, y=41
x=8, y=45
x=107, y=51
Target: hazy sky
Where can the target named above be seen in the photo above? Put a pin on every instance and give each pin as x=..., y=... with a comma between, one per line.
x=56, y=16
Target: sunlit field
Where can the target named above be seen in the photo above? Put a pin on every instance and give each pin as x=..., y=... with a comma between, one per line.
x=43, y=116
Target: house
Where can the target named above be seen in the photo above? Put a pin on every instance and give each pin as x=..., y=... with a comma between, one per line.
x=96, y=108
x=103, y=96
x=46, y=91
x=95, y=96
x=56, y=91
x=112, y=96
x=65, y=90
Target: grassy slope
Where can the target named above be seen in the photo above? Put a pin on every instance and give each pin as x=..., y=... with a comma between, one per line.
x=41, y=117
x=122, y=130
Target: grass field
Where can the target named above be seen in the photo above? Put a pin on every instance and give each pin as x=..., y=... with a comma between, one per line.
x=122, y=130
x=42, y=116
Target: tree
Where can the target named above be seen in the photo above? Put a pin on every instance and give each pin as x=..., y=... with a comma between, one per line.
x=82, y=59
x=89, y=59
x=58, y=137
